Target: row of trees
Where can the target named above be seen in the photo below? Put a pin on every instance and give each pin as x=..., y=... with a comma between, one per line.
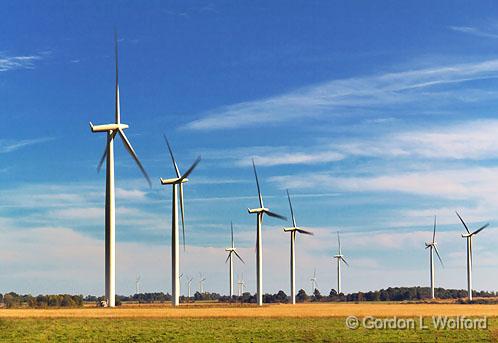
x=12, y=300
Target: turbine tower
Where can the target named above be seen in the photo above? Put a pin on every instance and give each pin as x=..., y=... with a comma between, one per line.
x=339, y=257
x=260, y=212
x=137, y=284
x=314, y=283
x=433, y=248
x=241, y=285
x=113, y=129
x=189, y=283
x=231, y=251
x=201, y=283
x=176, y=183
x=468, y=236
x=293, y=230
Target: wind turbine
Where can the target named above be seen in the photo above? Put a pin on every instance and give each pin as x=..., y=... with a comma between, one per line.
x=241, y=285
x=468, y=236
x=189, y=282
x=433, y=248
x=232, y=251
x=339, y=257
x=113, y=129
x=293, y=230
x=179, y=180
x=201, y=283
x=137, y=284
x=314, y=283
x=260, y=212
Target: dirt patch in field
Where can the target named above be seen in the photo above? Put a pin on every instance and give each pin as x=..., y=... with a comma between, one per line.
x=298, y=310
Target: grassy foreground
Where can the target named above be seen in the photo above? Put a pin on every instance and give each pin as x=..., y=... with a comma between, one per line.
x=221, y=330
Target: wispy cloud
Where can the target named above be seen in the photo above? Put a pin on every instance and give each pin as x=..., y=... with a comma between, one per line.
x=337, y=97
x=475, y=31
x=13, y=145
x=17, y=62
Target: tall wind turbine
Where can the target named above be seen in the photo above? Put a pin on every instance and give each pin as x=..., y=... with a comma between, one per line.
x=113, y=129
x=433, y=248
x=241, y=285
x=340, y=258
x=314, y=283
x=189, y=282
x=260, y=212
x=468, y=236
x=293, y=230
x=231, y=251
x=176, y=183
x=201, y=283
x=137, y=284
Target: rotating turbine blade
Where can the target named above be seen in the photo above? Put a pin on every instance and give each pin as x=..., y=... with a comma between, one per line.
x=257, y=184
x=104, y=155
x=344, y=260
x=465, y=225
x=134, y=155
x=439, y=257
x=189, y=170
x=228, y=257
x=117, y=109
x=182, y=210
x=177, y=171
x=292, y=211
x=304, y=231
x=339, y=242
x=240, y=258
x=479, y=230
x=434, y=233
x=272, y=214
x=231, y=229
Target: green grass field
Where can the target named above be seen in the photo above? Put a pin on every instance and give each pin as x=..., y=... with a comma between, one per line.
x=221, y=330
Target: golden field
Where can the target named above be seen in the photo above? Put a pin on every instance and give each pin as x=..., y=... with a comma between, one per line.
x=275, y=310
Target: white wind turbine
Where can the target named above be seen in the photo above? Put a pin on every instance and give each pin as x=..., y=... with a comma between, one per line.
x=137, y=284
x=231, y=251
x=433, y=248
x=189, y=283
x=176, y=183
x=113, y=129
x=260, y=212
x=339, y=257
x=314, y=283
x=293, y=230
x=468, y=236
x=201, y=283
x=241, y=285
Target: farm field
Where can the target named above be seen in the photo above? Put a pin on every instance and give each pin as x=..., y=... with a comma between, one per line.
x=209, y=323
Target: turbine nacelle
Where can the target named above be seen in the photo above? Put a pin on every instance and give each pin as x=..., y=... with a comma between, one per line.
x=107, y=127
x=258, y=210
x=176, y=180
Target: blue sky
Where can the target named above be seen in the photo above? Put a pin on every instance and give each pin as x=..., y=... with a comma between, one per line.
x=375, y=115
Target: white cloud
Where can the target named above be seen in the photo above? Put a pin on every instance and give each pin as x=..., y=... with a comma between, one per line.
x=474, y=31
x=17, y=62
x=337, y=96
x=13, y=145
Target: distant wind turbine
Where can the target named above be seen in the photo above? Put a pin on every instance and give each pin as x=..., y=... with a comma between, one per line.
x=231, y=251
x=468, y=236
x=176, y=182
x=201, y=283
x=293, y=230
x=113, y=129
x=137, y=284
x=339, y=257
x=189, y=283
x=241, y=285
x=433, y=248
x=260, y=212
x=314, y=283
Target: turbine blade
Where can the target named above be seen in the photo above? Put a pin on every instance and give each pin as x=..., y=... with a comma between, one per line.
x=240, y=258
x=189, y=170
x=465, y=225
x=304, y=231
x=231, y=229
x=228, y=257
x=344, y=260
x=117, y=109
x=177, y=171
x=182, y=210
x=339, y=242
x=482, y=228
x=292, y=211
x=104, y=155
x=314, y=273
x=438, y=256
x=134, y=155
x=257, y=184
x=434, y=233
x=272, y=214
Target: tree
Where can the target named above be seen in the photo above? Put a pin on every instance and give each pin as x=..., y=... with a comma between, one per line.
x=301, y=296
x=316, y=295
